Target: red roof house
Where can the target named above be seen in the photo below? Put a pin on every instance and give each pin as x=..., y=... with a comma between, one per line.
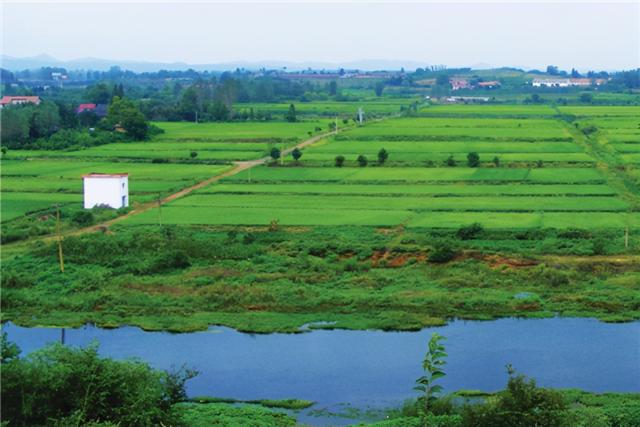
x=17, y=100
x=85, y=107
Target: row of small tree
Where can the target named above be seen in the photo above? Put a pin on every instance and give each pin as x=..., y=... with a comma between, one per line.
x=362, y=160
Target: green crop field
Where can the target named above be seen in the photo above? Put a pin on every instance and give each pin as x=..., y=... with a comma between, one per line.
x=329, y=108
x=567, y=191
x=543, y=179
x=32, y=185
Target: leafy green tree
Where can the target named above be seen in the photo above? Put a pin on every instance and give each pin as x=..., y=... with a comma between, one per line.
x=124, y=113
x=496, y=161
x=99, y=94
x=14, y=126
x=275, y=153
x=333, y=88
x=473, y=160
x=296, y=154
x=383, y=155
x=189, y=104
x=379, y=88
x=362, y=160
x=552, y=70
x=339, y=161
x=291, y=114
x=451, y=162
x=432, y=365
x=44, y=121
x=218, y=111
x=586, y=98
x=193, y=154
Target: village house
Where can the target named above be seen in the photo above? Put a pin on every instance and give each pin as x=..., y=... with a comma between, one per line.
x=580, y=82
x=99, y=110
x=18, y=100
x=106, y=190
x=457, y=83
x=489, y=85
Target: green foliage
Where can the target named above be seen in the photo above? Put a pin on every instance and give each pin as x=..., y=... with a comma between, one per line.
x=362, y=161
x=473, y=160
x=59, y=385
x=291, y=114
x=521, y=404
x=219, y=414
x=432, y=365
x=83, y=218
x=124, y=113
x=274, y=153
x=383, y=155
x=296, y=154
x=443, y=251
x=451, y=162
x=339, y=161
x=193, y=154
x=470, y=232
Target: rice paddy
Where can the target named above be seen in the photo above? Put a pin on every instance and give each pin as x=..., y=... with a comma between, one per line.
x=531, y=174
x=542, y=179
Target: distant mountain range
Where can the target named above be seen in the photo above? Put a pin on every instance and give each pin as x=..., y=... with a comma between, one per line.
x=99, y=64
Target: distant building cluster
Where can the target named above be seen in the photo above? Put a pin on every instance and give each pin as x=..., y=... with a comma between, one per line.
x=567, y=82
x=461, y=83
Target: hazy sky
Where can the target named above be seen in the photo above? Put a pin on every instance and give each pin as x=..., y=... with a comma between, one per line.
x=585, y=35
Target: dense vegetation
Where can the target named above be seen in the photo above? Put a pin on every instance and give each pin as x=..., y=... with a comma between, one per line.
x=259, y=280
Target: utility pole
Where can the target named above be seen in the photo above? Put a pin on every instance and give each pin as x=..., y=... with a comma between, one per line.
x=196, y=116
x=360, y=115
x=626, y=237
x=62, y=336
x=60, y=256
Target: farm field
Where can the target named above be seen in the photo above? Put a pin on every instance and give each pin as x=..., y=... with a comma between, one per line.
x=330, y=109
x=619, y=133
x=33, y=185
x=544, y=179
x=212, y=143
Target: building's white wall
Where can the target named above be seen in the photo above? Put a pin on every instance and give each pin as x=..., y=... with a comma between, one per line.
x=106, y=191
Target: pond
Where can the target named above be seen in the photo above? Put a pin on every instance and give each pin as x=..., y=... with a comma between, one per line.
x=374, y=369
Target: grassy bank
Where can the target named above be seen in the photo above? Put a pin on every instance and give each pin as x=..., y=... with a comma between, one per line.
x=262, y=280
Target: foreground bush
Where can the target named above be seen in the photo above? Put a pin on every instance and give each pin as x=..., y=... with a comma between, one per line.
x=64, y=386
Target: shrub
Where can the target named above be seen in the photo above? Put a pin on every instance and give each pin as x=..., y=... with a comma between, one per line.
x=473, y=160
x=469, y=232
x=451, y=162
x=83, y=218
x=296, y=154
x=339, y=161
x=193, y=154
x=383, y=155
x=275, y=153
x=362, y=160
x=443, y=251
x=59, y=384
x=160, y=160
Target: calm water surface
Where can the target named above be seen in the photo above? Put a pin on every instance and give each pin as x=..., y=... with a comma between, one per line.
x=372, y=368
